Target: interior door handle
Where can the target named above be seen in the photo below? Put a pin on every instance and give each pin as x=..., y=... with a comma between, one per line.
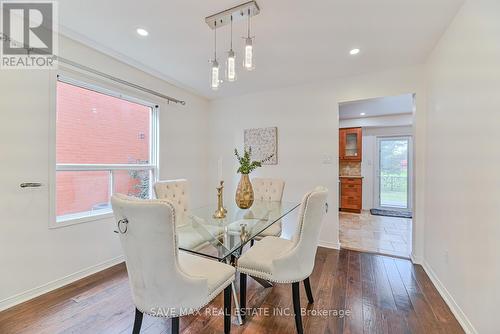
x=30, y=185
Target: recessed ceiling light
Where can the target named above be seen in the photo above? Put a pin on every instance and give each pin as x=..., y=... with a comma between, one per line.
x=142, y=32
x=363, y=113
x=354, y=52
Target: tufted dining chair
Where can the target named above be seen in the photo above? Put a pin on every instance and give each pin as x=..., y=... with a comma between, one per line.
x=177, y=193
x=165, y=282
x=271, y=190
x=265, y=189
x=288, y=261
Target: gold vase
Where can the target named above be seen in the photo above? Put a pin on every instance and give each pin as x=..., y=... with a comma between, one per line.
x=244, y=193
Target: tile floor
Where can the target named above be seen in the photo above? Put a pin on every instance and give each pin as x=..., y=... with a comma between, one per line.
x=377, y=234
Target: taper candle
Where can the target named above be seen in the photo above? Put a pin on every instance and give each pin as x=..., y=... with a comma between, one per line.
x=219, y=169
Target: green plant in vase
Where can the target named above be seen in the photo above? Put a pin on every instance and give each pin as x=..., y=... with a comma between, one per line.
x=244, y=193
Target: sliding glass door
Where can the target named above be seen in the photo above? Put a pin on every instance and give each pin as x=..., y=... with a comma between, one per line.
x=394, y=172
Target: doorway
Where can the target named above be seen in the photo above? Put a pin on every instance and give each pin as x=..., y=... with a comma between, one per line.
x=376, y=174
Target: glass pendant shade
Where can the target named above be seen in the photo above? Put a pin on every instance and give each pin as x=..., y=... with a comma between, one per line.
x=248, y=60
x=214, y=75
x=231, y=66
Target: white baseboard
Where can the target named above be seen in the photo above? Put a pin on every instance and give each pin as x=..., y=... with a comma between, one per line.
x=35, y=292
x=455, y=309
x=416, y=259
x=328, y=244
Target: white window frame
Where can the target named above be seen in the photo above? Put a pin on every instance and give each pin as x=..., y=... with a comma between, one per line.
x=152, y=166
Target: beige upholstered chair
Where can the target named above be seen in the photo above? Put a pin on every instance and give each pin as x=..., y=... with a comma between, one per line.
x=266, y=189
x=288, y=261
x=177, y=193
x=166, y=282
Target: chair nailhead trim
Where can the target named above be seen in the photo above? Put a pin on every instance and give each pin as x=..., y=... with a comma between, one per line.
x=194, y=309
x=265, y=275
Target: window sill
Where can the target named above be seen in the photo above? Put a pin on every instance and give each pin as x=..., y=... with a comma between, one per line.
x=79, y=220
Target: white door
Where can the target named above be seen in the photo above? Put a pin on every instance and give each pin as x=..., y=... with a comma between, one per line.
x=394, y=173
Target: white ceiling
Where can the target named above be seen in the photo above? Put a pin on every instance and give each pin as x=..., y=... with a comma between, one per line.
x=381, y=106
x=296, y=41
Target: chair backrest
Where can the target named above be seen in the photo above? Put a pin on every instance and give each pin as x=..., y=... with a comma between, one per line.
x=176, y=192
x=311, y=214
x=268, y=189
x=147, y=235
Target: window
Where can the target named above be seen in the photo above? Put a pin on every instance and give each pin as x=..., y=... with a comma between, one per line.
x=105, y=144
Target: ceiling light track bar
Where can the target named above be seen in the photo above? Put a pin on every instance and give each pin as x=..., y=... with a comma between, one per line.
x=240, y=12
x=104, y=75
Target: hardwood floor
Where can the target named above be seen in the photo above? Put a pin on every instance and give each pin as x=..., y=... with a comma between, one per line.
x=383, y=295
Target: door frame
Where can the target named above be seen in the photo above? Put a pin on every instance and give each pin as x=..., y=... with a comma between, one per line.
x=376, y=171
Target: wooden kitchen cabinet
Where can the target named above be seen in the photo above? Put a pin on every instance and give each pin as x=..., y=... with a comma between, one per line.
x=350, y=143
x=351, y=194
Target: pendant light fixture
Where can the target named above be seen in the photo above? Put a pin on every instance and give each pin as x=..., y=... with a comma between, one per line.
x=248, y=60
x=231, y=59
x=214, y=69
x=226, y=17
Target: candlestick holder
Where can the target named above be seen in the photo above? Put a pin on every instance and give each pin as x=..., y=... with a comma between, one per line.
x=222, y=197
x=221, y=211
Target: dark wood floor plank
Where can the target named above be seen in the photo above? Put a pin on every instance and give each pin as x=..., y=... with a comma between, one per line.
x=383, y=294
x=322, y=290
x=401, y=298
x=422, y=308
x=436, y=303
x=385, y=298
x=336, y=324
x=405, y=313
x=373, y=320
x=354, y=296
x=396, y=322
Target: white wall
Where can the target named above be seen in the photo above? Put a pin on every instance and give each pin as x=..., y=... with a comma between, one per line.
x=378, y=121
x=307, y=121
x=35, y=258
x=462, y=235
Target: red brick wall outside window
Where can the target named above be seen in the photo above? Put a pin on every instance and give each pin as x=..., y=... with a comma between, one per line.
x=94, y=128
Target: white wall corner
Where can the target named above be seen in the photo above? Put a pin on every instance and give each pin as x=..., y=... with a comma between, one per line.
x=58, y=283
x=416, y=259
x=450, y=301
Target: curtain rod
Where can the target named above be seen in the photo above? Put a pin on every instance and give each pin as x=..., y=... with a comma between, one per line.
x=101, y=74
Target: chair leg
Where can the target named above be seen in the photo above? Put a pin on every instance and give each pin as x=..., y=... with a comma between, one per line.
x=137, y=321
x=309, y=294
x=296, y=307
x=252, y=242
x=243, y=295
x=175, y=325
x=227, y=309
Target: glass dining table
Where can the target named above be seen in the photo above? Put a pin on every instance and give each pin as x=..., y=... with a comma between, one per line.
x=223, y=239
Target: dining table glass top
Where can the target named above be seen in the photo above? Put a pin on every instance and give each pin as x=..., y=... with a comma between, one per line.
x=200, y=233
